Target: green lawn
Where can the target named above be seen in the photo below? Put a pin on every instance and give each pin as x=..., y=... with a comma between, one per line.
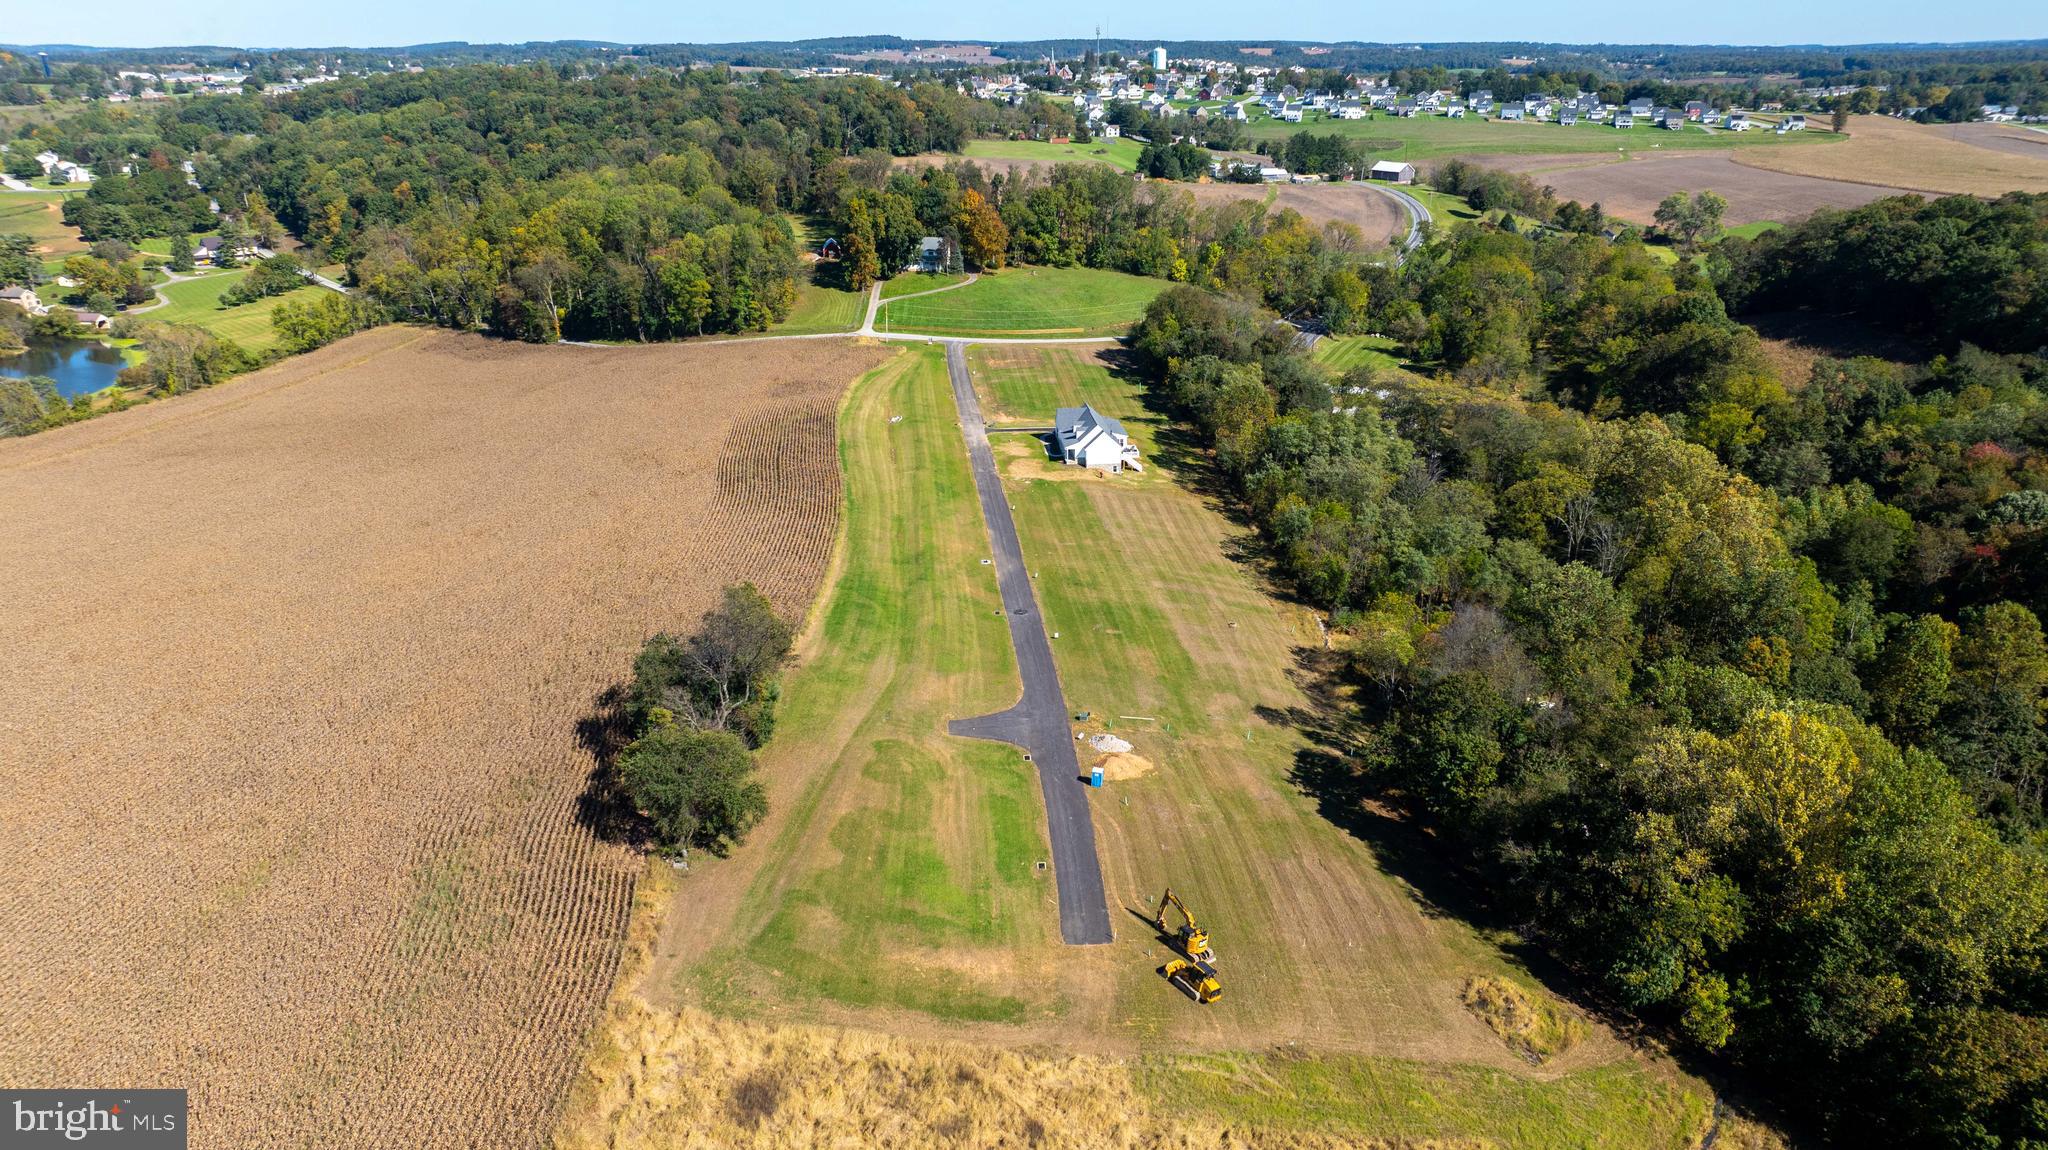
x=1754, y=229
x=197, y=302
x=1342, y=353
x=1444, y=209
x=1428, y=137
x=822, y=309
x=905, y=852
x=1119, y=152
x=913, y=282
x=1029, y=301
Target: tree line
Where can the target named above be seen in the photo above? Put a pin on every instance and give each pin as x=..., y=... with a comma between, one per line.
x=1731, y=692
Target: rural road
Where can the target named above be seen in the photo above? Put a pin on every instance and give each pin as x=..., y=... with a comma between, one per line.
x=1038, y=723
x=1418, y=215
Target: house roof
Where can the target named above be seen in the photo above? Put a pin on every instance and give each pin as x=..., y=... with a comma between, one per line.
x=1075, y=423
x=1390, y=166
x=13, y=293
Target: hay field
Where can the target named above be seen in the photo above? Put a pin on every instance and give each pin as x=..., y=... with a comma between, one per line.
x=291, y=755
x=1631, y=189
x=1377, y=217
x=1918, y=157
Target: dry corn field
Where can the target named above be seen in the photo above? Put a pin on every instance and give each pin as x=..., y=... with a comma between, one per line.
x=289, y=734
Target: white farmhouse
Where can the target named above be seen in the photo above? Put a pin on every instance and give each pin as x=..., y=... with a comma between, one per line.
x=1085, y=437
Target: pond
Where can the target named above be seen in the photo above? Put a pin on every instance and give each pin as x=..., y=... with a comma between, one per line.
x=79, y=366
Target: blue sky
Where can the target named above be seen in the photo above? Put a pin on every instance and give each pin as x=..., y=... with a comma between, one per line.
x=267, y=23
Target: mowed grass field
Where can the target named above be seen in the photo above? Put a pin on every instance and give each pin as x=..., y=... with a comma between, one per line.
x=1028, y=301
x=300, y=799
x=41, y=218
x=820, y=309
x=896, y=887
x=1430, y=137
x=1342, y=353
x=1120, y=153
x=910, y=283
x=197, y=302
x=900, y=869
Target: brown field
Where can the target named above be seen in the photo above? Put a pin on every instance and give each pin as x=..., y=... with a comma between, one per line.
x=1631, y=189
x=1373, y=214
x=1917, y=157
x=297, y=667
x=2008, y=138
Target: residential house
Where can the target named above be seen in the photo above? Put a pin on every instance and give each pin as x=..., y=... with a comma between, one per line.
x=1792, y=123
x=1568, y=116
x=931, y=254
x=23, y=298
x=1736, y=122
x=1454, y=110
x=1694, y=109
x=1111, y=132
x=1673, y=121
x=1624, y=120
x=1350, y=110
x=1406, y=109
x=91, y=319
x=1273, y=175
x=1084, y=437
x=1640, y=107
x=1510, y=112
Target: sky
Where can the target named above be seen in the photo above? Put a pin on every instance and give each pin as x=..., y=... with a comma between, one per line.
x=385, y=23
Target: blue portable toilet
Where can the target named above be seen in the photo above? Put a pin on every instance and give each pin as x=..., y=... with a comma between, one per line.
x=1095, y=777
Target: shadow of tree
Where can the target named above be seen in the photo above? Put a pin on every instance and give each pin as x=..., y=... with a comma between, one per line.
x=602, y=808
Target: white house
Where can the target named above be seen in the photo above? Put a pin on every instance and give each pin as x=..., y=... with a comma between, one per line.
x=23, y=298
x=1085, y=437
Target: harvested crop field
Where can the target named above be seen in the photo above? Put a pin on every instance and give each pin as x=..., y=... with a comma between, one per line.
x=1921, y=157
x=1373, y=213
x=2008, y=138
x=298, y=669
x=1631, y=189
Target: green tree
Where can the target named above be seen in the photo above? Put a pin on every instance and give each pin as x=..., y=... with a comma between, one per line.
x=1691, y=220
x=696, y=786
x=1910, y=680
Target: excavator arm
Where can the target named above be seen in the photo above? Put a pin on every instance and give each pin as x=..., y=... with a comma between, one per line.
x=1194, y=941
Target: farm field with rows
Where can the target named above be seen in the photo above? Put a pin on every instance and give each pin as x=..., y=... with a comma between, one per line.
x=299, y=717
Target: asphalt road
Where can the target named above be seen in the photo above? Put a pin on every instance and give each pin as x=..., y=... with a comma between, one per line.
x=1038, y=723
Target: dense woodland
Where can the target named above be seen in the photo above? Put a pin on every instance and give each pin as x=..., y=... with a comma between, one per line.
x=1730, y=688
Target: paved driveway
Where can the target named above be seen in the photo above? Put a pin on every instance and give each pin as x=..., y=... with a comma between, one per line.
x=1038, y=723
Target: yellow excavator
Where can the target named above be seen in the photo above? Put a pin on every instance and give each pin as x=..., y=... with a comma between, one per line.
x=1196, y=972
